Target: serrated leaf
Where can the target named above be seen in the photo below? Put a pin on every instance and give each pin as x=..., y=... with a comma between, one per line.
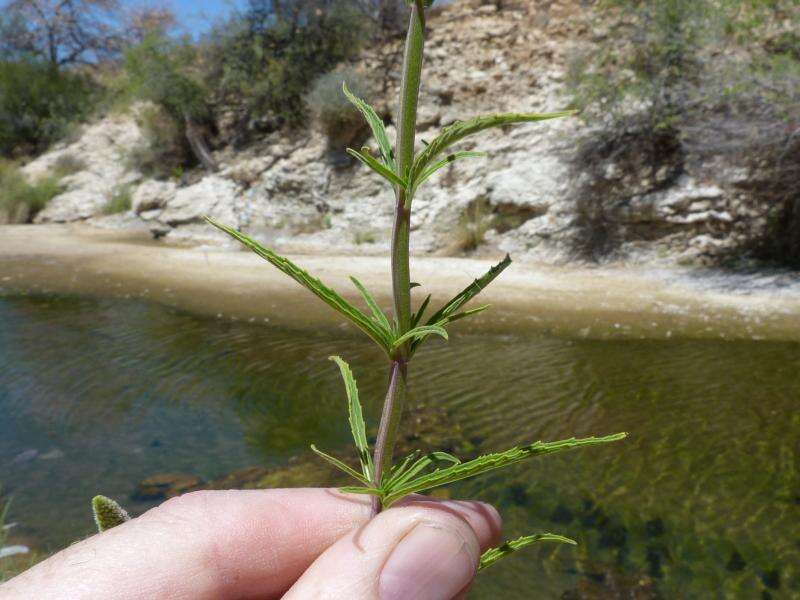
x=444, y=314
x=108, y=513
x=461, y=129
x=379, y=335
x=377, y=313
x=376, y=125
x=489, y=462
x=378, y=167
x=339, y=465
x=492, y=555
x=419, y=333
x=408, y=472
x=450, y=158
x=356, y=416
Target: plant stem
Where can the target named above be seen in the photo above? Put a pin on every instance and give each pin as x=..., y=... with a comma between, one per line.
x=409, y=95
x=401, y=273
x=390, y=423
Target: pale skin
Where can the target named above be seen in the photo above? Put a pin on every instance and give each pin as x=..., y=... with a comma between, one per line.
x=263, y=544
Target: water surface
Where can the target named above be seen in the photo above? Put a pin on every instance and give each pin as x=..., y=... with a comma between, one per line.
x=702, y=500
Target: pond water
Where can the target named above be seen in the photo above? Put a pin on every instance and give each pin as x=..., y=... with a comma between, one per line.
x=702, y=500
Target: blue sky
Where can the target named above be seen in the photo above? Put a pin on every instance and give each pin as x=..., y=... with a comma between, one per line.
x=196, y=15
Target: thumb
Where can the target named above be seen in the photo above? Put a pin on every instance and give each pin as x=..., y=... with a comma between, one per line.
x=421, y=551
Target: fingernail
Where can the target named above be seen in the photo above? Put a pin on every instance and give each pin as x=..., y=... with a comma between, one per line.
x=430, y=563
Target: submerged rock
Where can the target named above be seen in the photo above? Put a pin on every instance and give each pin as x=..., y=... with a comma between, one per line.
x=165, y=485
x=7, y=551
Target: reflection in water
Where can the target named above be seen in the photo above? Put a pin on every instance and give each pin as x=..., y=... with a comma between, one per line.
x=704, y=495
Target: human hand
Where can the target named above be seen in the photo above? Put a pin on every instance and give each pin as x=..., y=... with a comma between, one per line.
x=304, y=543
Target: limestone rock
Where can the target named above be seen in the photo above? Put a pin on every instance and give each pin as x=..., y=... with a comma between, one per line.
x=212, y=196
x=151, y=195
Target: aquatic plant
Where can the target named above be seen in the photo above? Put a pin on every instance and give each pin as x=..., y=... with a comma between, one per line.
x=402, y=334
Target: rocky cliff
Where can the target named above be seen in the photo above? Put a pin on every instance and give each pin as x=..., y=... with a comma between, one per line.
x=528, y=197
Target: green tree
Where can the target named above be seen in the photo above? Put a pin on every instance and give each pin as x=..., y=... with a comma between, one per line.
x=264, y=59
x=38, y=105
x=163, y=71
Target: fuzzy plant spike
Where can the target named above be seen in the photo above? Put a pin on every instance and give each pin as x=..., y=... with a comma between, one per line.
x=400, y=334
x=108, y=513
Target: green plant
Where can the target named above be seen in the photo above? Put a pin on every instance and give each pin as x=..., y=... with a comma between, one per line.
x=473, y=224
x=364, y=237
x=163, y=150
x=265, y=57
x=164, y=72
x=119, y=202
x=20, y=200
x=68, y=164
x=336, y=116
x=401, y=336
x=38, y=105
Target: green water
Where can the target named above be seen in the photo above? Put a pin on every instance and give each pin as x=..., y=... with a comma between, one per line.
x=702, y=501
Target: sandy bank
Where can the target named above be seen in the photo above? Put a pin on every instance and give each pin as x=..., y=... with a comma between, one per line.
x=585, y=302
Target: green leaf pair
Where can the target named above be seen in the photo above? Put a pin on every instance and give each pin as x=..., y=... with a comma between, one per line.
x=421, y=472
x=396, y=488
x=425, y=163
x=377, y=326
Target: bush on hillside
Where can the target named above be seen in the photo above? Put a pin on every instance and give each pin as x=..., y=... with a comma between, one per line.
x=120, y=201
x=264, y=61
x=21, y=200
x=166, y=73
x=659, y=91
x=333, y=112
x=38, y=105
x=163, y=152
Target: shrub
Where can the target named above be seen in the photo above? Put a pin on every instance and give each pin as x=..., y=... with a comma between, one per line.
x=264, y=60
x=164, y=72
x=164, y=150
x=119, y=202
x=68, y=164
x=330, y=108
x=473, y=224
x=660, y=92
x=21, y=200
x=38, y=105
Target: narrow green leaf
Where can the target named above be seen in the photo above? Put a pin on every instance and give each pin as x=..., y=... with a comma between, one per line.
x=357, y=426
x=413, y=285
x=399, y=468
x=467, y=313
x=431, y=169
x=381, y=337
x=108, y=513
x=492, y=555
x=420, y=311
x=461, y=129
x=418, y=333
x=420, y=465
x=377, y=313
x=445, y=313
x=351, y=489
x=339, y=465
x=489, y=462
x=378, y=167
x=376, y=125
